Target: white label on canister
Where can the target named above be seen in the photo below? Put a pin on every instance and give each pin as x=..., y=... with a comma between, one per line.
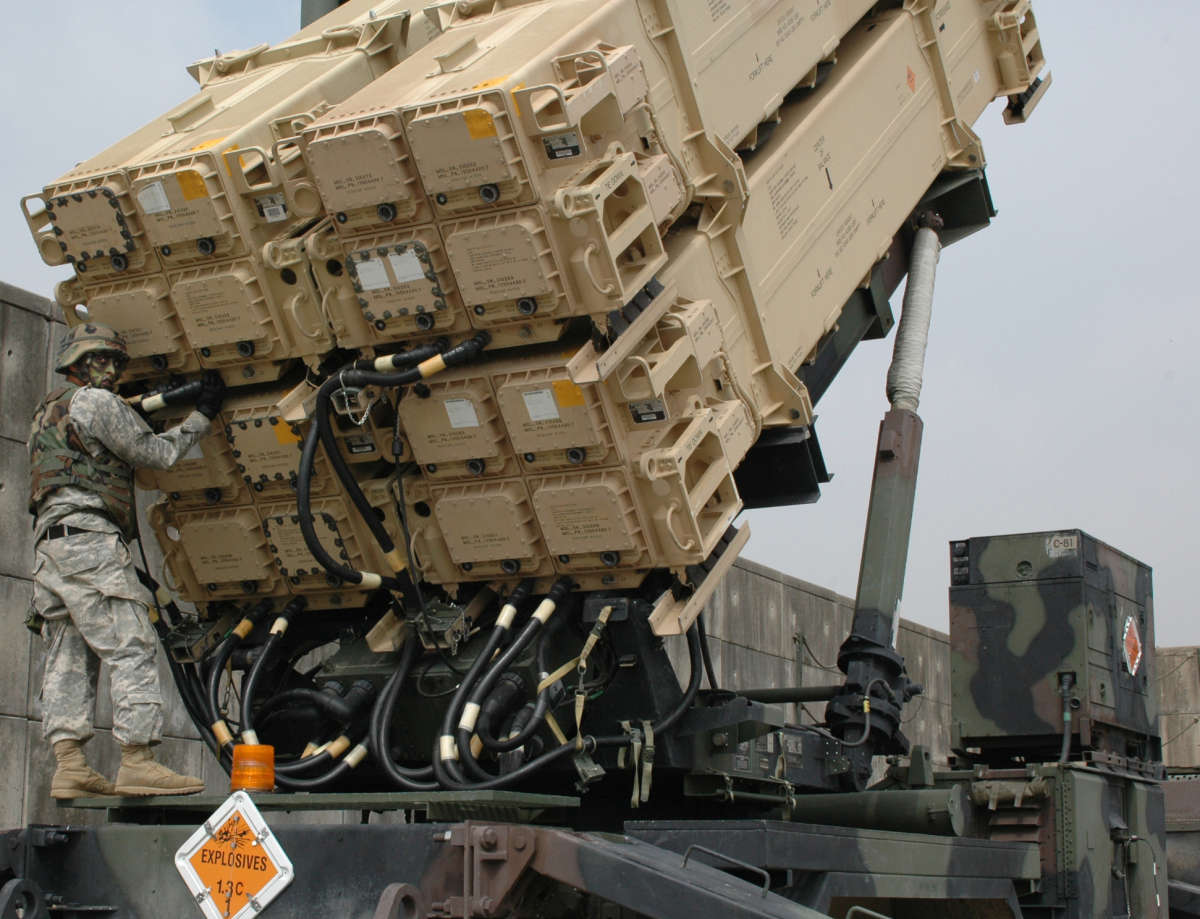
x=540, y=404
x=1062, y=545
x=372, y=275
x=407, y=267
x=153, y=199
x=461, y=413
x=272, y=208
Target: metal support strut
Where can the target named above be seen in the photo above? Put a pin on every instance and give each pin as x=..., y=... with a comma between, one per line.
x=865, y=713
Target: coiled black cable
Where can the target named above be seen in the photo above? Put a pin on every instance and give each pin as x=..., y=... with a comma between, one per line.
x=379, y=732
x=250, y=686
x=685, y=702
x=497, y=667
x=322, y=431
x=445, y=768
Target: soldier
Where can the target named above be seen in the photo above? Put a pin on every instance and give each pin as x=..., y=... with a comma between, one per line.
x=83, y=446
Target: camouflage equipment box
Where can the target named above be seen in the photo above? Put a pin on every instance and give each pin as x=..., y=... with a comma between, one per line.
x=1033, y=611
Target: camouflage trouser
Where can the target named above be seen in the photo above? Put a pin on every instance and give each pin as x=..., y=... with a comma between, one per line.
x=95, y=610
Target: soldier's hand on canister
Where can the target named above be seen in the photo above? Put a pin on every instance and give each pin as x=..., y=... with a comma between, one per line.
x=212, y=394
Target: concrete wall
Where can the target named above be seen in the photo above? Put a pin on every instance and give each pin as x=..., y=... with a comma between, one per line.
x=769, y=629
x=1179, y=705
x=30, y=331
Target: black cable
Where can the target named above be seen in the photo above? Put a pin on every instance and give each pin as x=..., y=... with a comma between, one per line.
x=460, y=354
x=445, y=768
x=704, y=653
x=669, y=720
x=295, y=783
x=221, y=656
x=408, y=358
x=321, y=431
x=304, y=509
x=496, y=669
x=379, y=732
x=250, y=686
x=529, y=726
x=213, y=691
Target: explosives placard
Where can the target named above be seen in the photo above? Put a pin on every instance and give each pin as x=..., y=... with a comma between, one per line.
x=233, y=865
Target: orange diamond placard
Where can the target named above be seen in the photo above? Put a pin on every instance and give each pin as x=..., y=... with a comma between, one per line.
x=1132, y=646
x=233, y=865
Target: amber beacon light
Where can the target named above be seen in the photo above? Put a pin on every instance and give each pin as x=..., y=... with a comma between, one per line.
x=253, y=768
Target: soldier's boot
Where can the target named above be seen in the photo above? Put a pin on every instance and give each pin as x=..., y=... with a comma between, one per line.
x=141, y=775
x=74, y=778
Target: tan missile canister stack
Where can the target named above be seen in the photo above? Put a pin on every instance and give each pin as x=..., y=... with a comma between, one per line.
x=656, y=209
x=174, y=231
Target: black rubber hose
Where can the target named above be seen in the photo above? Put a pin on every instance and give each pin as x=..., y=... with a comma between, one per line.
x=530, y=717
x=669, y=720
x=294, y=783
x=501, y=663
x=321, y=412
x=221, y=657
x=704, y=653
x=402, y=359
x=497, y=668
x=304, y=508
x=331, y=705
x=447, y=770
x=380, y=728
x=525, y=725
x=213, y=691
x=250, y=687
x=322, y=431
x=460, y=354
x=534, y=765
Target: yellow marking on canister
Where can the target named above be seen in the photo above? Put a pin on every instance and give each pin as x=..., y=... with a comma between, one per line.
x=284, y=433
x=480, y=124
x=567, y=393
x=191, y=183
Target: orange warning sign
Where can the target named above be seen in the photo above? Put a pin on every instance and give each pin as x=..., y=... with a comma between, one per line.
x=233, y=866
x=1132, y=645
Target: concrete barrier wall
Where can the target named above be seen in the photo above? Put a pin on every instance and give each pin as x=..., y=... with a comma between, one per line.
x=769, y=629
x=30, y=331
x=1179, y=701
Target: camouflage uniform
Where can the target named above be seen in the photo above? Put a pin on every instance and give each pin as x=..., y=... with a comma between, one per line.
x=85, y=586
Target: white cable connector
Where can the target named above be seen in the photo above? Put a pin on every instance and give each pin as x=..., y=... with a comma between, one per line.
x=370, y=580
x=544, y=611
x=356, y=756
x=469, y=716
x=447, y=748
x=508, y=613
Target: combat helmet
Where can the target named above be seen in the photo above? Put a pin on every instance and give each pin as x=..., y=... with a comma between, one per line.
x=86, y=338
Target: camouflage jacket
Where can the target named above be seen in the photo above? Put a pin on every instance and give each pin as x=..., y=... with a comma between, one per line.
x=100, y=434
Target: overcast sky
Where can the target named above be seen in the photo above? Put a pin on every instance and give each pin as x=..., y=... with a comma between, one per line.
x=1062, y=379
